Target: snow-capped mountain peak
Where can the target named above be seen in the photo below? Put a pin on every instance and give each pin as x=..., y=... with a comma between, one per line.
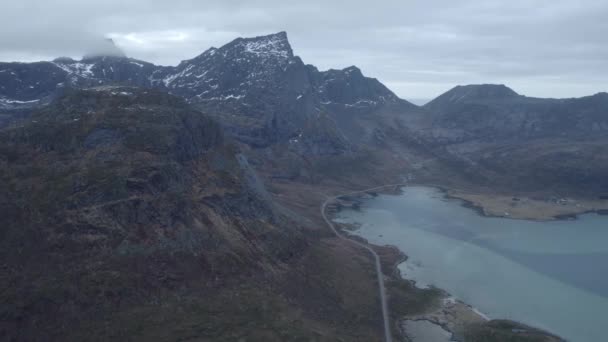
x=258, y=87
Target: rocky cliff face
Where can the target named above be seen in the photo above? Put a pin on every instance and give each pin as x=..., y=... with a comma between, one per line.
x=260, y=92
x=114, y=195
x=258, y=82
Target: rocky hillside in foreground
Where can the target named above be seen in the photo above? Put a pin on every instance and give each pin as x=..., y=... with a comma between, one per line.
x=126, y=214
x=117, y=202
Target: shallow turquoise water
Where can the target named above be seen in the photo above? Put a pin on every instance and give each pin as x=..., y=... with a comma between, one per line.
x=553, y=275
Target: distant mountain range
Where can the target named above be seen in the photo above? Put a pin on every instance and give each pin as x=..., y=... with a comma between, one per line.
x=271, y=94
x=267, y=98
x=497, y=111
x=257, y=79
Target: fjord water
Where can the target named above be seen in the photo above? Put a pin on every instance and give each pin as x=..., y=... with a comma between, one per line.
x=552, y=274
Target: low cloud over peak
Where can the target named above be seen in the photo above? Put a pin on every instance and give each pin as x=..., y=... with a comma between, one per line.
x=543, y=48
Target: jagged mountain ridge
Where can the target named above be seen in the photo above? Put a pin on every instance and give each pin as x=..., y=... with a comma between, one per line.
x=268, y=92
x=204, y=77
x=265, y=96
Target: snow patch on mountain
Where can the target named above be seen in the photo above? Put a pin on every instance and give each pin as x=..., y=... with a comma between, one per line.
x=9, y=101
x=78, y=68
x=224, y=98
x=172, y=77
x=9, y=104
x=273, y=46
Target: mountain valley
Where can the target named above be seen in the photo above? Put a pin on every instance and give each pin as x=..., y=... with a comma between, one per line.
x=182, y=202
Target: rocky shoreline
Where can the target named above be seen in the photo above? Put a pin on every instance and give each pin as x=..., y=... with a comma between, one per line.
x=460, y=319
x=548, y=210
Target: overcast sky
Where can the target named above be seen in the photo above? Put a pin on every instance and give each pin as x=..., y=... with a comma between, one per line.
x=419, y=49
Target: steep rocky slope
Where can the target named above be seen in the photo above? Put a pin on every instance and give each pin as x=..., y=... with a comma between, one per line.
x=113, y=199
x=126, y=214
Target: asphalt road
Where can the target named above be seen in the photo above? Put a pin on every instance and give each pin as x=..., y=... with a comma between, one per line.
x=381, y=289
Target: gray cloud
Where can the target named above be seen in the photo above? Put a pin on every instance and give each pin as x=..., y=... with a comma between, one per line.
x=549, y=48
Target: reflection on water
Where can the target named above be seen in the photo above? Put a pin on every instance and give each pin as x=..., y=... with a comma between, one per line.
x=553, y=275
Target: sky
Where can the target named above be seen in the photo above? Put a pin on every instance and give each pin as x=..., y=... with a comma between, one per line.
x=419, y=49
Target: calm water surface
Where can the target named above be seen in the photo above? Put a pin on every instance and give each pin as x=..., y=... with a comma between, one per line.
x=552, y=275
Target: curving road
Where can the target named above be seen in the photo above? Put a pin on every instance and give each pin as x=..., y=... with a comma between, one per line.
x=381, y=289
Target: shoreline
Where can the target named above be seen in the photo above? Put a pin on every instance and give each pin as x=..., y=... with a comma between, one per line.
x=559, y=217
x=482, y=210
x=453, y=315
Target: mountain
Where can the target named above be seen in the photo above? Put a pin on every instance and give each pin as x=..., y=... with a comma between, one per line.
x=472, y=93
x=522, y=142
x=269, y=92
x=256, y=80
x=256, y=88
x=496, y=111
x=32, y=85
x=299, y=122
